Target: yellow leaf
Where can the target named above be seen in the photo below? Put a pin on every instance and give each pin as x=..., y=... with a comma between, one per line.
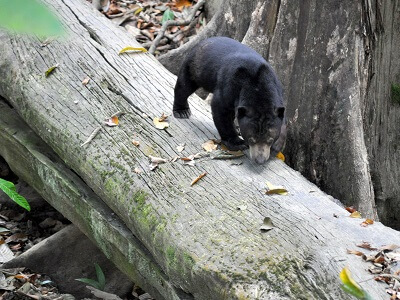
x=351, y=286
x=160, y=125
x=50, y=70
x=280, y=156
x=345, y=277
x=356, y=215
x=129, y=48
x=138, y=10
x=278, y=190
x=367, y=222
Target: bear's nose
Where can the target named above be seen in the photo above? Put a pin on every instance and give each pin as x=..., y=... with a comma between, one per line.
x=261, y=159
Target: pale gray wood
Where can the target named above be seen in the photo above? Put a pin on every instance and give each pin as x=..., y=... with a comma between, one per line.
x=195, y=235
x=34, y=161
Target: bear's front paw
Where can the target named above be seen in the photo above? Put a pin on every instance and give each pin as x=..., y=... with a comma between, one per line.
x=235, y=144
x=182, y=113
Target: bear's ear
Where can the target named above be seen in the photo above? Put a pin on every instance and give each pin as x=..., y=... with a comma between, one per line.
x=245, y=111
x=280, y=112
x=241, y=73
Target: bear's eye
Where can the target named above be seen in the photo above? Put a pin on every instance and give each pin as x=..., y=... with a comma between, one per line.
x=270, y=140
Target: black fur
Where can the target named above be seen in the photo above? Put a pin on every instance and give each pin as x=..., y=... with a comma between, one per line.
x=243, y=85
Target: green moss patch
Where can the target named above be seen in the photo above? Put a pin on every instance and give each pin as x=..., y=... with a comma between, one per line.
x=395, y=93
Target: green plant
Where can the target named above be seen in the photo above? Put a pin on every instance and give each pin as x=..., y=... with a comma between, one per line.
x=167, y=16
x=9, y=188
x=99, y=283
x=396, y=93
x=30, y=17
x=351, y=287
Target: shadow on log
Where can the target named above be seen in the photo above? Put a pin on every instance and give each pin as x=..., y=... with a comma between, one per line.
x=175, y=240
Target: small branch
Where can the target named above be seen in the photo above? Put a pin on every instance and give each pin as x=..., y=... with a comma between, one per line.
x=175, y=23
x=92, y=136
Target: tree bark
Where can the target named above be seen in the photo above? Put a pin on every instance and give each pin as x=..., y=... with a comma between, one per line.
x=182, y=241
x=337, y=63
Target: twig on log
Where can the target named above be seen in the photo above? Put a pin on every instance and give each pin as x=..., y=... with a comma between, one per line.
x=175, y=23
x=92, y=136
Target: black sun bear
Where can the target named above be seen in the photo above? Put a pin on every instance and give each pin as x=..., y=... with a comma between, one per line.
x=244, y=86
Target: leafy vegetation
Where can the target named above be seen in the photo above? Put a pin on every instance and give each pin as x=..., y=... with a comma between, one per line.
x=167, y=16
x=100, y=283
x=29, y=17
x=351, y=287
x=9, y=188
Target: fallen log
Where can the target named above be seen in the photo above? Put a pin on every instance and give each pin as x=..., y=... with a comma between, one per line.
x=176, y=240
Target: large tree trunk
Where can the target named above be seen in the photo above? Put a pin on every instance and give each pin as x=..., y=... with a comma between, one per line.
x=337, y=62
x=179, y=241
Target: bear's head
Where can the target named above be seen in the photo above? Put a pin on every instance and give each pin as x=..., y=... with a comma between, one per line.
x=260, y=128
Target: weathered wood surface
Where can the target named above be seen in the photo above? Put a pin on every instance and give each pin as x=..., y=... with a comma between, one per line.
x=194, y=237
x=36, y=162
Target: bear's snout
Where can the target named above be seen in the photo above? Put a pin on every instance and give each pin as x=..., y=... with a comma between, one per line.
x=260, y=152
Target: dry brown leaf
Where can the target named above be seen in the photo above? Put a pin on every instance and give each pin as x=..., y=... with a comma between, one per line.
x=17, y=237
x=393, y=256
x=355, y=252
x=180, y=147
x=191, y=157
x=198, y=178
x=182, y=3
x=163, y=117
x=21, y=276
x=389, y=247
x=153, y=166
x=367, y=222
x=137, y=171
x=157, y=160
x=369, y=257
x=366, y=245
x=385, y=279
x=85, y=81
x=189, y=163
x=113, y=121
x=379, y=260
x=136, y=143
x=350, y=209
x=356, y=215
x=209, y=146
x=160, y=124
